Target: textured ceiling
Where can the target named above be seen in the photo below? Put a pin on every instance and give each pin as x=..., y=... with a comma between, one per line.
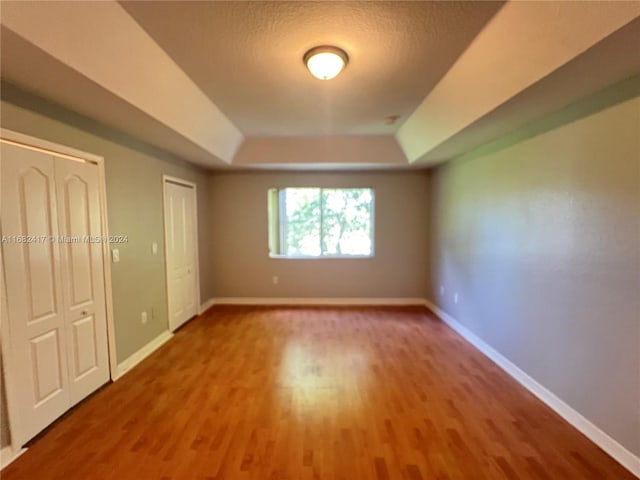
x=222, y=84
x=521, y=45
x=247, y=57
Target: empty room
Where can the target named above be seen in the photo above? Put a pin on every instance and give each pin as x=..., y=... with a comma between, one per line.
x=329, y=240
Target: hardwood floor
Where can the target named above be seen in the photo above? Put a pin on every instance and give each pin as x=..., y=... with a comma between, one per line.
x=314, y=393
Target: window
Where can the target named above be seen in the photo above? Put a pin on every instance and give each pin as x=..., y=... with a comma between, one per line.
x=321, y=222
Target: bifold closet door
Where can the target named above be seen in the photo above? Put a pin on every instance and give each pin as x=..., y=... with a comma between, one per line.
x=51, y=228
x=37, y=331
x=79, y=221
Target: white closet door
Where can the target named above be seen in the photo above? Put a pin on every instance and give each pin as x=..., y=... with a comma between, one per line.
x=38, y=358
x=180, y=214
x=79, y=222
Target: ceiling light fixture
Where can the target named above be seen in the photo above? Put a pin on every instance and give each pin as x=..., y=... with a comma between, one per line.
x=325, y=62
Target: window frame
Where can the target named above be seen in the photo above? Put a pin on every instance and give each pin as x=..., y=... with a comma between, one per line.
x=275, y=224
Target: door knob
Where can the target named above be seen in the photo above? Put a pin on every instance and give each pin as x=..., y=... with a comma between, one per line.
x=84, y=312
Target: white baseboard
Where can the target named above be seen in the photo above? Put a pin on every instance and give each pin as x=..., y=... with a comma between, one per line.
x=317, y=301
x=7, y=455
x=206, y=306
x=627, y=459
x=143, y=353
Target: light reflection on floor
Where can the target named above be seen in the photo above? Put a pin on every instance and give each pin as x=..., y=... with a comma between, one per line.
x=321, y=381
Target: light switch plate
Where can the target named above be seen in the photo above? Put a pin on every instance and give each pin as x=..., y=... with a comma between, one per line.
x=154, y=248
x=115, y=255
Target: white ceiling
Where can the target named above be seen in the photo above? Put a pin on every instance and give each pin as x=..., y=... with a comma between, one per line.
x=222, y=84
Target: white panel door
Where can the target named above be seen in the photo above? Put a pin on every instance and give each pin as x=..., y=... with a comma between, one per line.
x=37, y=356
x=79, y=224
x=180, y=244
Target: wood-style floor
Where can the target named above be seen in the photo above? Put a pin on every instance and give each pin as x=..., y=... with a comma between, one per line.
x=314, y=393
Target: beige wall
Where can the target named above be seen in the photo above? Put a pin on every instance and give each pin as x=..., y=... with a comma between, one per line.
x=239, y=242
x=134, y=202
x=541, y=239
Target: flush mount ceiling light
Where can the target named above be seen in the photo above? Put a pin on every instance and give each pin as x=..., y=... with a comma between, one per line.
x=325, y=62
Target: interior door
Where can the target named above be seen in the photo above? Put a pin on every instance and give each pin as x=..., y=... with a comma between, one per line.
x=37, y=357
x=180, y=244
x=79, y=224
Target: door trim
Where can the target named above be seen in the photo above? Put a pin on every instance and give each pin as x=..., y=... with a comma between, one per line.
x=185, y=183
x=51, y=148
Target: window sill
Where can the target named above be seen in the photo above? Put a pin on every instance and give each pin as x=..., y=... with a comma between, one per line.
x=323, y=257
